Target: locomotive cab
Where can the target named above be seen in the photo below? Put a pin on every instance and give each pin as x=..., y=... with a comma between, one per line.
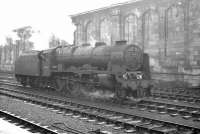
x=47, y=61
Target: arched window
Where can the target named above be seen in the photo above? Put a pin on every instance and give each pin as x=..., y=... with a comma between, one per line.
x=195, y=19
x=131, y=28
x=175, y=23
x=90, y=33
x=105, y=31
x=151, y=28
x=115, y=28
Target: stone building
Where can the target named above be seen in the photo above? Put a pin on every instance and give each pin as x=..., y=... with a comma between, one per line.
x=169, y=30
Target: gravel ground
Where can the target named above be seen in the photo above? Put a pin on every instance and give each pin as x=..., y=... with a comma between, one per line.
x=49, y=118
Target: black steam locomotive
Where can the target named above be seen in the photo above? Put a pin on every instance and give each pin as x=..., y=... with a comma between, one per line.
x=120, y=70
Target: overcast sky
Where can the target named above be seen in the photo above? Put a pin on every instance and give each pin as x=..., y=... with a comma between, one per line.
x=47, y=17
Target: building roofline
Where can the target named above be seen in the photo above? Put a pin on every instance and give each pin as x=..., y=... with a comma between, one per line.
x=104, y=8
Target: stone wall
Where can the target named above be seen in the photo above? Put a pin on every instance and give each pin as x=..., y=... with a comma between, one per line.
x=169, y=30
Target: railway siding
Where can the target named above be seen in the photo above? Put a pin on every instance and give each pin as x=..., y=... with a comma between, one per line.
x=177, y=121
x=44, y=117
x=173, y=102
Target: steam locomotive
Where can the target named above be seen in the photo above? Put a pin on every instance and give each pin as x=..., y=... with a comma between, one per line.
x=120, y=70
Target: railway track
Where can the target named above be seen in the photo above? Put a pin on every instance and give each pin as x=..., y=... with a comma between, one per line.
x=7, y=75
x=158, y=105
x=184, y=110
x=180, y=93
x=169, y=94
x=163, y=105
x=173, y=107
x=184, y=94
x=32, y=127
x=177, y=97
x=118, y=119
x=157, y=94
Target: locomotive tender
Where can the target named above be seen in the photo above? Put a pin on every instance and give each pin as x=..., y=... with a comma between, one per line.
x=121, y=69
